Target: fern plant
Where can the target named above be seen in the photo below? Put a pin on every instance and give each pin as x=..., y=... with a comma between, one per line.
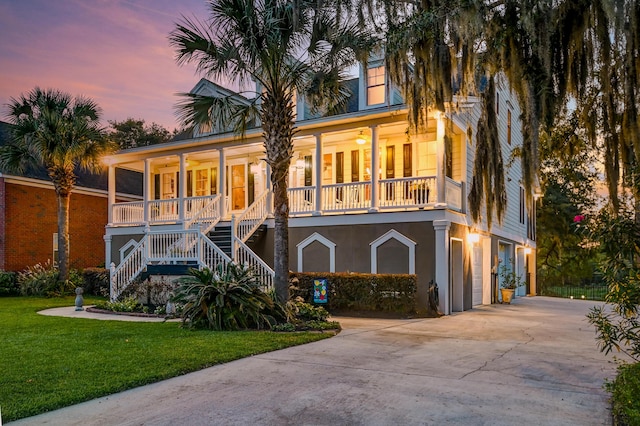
x=229, y=298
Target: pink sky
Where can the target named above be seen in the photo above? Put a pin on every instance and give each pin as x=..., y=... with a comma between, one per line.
x=115, y=52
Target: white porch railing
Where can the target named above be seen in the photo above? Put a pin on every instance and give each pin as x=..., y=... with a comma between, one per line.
x=302, y=200
x=164, y=210
x=128, y=270
x=346, y=196
x=406, y=192
x=128, y=213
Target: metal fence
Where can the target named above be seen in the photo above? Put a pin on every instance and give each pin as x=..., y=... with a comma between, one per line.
x=586, y=292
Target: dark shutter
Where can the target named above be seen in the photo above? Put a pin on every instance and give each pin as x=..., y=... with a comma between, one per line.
x=391, y=160
x=355, y=166
x=156, y=186
x=308, y=177
x=339, y=167
x=407, y=167
x=189, y=183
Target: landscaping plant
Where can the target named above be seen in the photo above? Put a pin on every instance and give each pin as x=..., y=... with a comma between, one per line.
x=43, y=280
x=229, y=298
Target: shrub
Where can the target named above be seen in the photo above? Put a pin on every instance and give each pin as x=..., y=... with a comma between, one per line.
x=228, y=299
x=360, y=292
x=306, y=311
x=96, y=281
x=42, y=280
x=129, y=304
x=9, y=284
x=625, y=395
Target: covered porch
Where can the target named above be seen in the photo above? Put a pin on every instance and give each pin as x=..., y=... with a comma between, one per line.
x=330, y=173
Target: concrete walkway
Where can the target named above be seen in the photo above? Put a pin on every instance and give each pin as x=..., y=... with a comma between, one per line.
x=534, y=362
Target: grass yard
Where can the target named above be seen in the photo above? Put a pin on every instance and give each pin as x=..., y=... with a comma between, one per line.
x=50, y=362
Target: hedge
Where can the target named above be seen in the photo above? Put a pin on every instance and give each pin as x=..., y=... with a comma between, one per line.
x=356, y=292
x=9, y=284
x=96, y=281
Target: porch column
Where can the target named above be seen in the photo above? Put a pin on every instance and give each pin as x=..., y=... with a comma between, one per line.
x=440, y=180
x=107, y=249
x=146, y=189
x=442, y=263
x=111, y=192
x=222, y=184
x=318, y=175
x=182, y=188
x=375, y=167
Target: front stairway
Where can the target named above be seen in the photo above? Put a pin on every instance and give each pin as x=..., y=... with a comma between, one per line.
x=203, y=242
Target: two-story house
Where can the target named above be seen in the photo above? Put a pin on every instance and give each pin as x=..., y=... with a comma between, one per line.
x=366, y=195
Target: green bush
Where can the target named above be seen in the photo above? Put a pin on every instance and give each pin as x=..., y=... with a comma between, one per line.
x=9, y=284
x=228, y=299
x=42, y=280
x=360, y=292
x=129, y=304
x=625, y=395
x=96, y=281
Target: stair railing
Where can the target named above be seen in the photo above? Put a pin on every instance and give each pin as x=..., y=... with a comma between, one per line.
x=207, y=217
x=121, y=276
x=246, y=224
x=245, y=256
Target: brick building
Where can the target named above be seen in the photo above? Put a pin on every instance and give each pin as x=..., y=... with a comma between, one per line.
x=28, y=216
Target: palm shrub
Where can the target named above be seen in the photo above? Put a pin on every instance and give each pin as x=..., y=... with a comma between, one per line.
x=229, y=298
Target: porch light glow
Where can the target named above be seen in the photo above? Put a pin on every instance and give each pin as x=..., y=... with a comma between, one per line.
x=527, y=250
x=474, y=237
x=255, y=168
x=362, y=139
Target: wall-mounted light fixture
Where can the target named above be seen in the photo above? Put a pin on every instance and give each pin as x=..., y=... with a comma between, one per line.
x=527, y=250
x=473, y=237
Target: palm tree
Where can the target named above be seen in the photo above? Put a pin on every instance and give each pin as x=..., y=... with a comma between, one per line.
x=59, y=133
x=284, y=47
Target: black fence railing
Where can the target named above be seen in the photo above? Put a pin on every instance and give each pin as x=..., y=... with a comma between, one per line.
x=587, y=292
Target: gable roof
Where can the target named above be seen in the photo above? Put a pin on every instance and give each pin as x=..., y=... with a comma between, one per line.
x=127, y=181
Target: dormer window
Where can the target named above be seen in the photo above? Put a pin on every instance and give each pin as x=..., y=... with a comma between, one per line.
x=375, y=85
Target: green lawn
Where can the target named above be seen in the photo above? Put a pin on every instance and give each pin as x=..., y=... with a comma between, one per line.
x=51, y=362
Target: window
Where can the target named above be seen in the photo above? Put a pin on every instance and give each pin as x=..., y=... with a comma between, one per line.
x=55, y=248
x=202, y=182
x=509, y=126
x=375, y=85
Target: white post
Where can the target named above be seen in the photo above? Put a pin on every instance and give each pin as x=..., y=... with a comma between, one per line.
x=182, y=188
x=112, y=278
x=440, y=180
x=318, y=175
x=442, y=263
x=107, y=249
x=112, y=192
x=221, y=182
x=233, y=238
x=375, y=166
x=146, y=189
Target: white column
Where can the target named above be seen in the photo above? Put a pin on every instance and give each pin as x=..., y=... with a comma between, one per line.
x=442, y=263
x=441, y=200
x=111, y=191
x=318, y=175
x=146, y=189
x=221, y=182
x=375, y=167
x=107, y=249
x=182, y=185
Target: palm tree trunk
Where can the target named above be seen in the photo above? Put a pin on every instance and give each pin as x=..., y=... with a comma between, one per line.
x=63, y=235
x=281, y=234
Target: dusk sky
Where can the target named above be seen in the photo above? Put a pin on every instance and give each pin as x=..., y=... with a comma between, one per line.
x=115, y=52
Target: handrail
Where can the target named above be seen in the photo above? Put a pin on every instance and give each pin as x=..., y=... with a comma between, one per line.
x=130, y=267
x=209, y=214
x=251, y=219
x=245, y=256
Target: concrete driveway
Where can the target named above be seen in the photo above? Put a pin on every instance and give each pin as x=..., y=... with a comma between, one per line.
x=534, y=362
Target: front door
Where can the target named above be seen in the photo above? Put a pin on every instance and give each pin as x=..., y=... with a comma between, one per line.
x=238, y=187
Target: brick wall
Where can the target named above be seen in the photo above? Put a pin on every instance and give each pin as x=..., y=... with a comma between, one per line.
x=31, y=219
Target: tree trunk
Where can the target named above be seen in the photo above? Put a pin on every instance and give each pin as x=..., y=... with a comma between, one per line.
x=281, y=235
x=63, y=236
